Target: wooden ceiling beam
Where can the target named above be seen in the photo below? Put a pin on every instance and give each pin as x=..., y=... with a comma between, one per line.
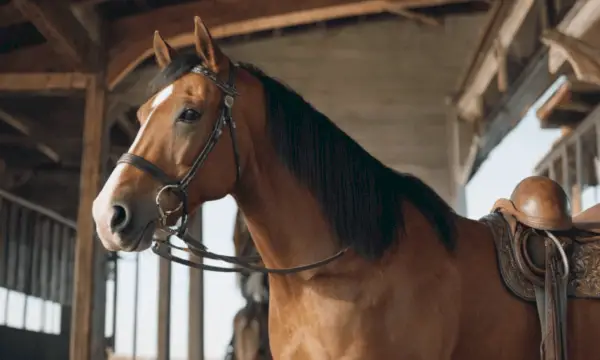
x=401, y=10
x=35, y=133
x=580, y=22
x=37, y=58
x=10, y=15
x=132, y=36
x=487, y=70
x=56, y=22
x=42, y=81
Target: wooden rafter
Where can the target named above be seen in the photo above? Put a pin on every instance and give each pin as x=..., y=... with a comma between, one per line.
x=42, y=81
x=582, y=18
x=10, y=15
x=488, y=68
x=132, y=35
x=569, y=104
x=39, y=58
x=401, y=10
x=62, y=30
x=35, y=135
x=584, y=58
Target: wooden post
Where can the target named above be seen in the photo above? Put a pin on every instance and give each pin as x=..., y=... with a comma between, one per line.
x=196, y=300
x=164, y=309
x=87, y=335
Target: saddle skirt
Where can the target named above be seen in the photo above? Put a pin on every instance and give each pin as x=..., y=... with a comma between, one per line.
x=584, y=262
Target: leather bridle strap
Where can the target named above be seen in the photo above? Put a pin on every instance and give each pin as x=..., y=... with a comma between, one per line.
x=147, y=167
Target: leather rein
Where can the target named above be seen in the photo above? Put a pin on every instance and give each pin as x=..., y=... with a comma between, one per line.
x=179, y=187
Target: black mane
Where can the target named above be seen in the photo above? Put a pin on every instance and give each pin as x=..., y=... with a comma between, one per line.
x=360, y=197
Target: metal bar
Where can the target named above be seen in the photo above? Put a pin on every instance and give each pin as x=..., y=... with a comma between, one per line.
x=24, y=261
x=43, y=317
x=64, y=264
x=55, y=268
x=4, y=220
x=136, y=284
x=25, y=307
x=71, y=267
x=6, y=305
x=31, y=206
x=36, y=257
x=46, y=259
x=13, y=256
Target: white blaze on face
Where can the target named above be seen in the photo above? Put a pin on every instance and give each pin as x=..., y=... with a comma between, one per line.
x=160, y=98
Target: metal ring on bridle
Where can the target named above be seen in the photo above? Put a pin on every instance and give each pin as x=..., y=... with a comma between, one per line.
x=165, y=213
x=228, y=101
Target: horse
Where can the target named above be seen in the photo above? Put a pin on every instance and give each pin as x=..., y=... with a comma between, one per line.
x=250, y=340
x=392, y=271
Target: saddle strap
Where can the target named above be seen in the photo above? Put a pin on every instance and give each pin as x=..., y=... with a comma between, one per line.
x=551, y=303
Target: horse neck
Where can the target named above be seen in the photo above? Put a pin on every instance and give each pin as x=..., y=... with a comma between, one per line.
x=283, y=216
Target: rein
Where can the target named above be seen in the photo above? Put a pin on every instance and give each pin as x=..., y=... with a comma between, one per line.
x=179, y=187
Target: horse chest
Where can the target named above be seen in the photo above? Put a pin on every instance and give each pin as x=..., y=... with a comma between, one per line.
x=330, y=329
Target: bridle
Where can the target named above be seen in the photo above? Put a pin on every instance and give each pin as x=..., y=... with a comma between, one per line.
x=179, y=187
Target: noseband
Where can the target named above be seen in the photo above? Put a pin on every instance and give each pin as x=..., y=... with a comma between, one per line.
x=180, y=189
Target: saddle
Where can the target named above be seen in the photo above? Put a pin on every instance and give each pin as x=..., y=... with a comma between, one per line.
x=546, y=255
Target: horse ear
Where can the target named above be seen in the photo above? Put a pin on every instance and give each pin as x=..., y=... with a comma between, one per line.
x=206, y=48
x=163, y=52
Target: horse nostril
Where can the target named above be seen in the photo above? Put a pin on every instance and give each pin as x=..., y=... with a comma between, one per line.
x=120, y=218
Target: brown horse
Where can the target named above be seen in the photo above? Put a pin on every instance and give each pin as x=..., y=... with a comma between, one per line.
x=250, y=340
x=417, y=281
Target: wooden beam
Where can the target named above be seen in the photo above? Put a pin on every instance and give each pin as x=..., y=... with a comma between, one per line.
x=584, y=58
x=562, y=94
x=401, y=10
x=28, y=60
x=132, y=36
x=196, y=300
x=36, y=135
x=10, y=15
x=163, y=348
x=84, y=343
x=488, y=69
x=577, y=22
x=563, y=119
x=61, y=29
x=42, y=81
x=506, y=115
x=502, y=74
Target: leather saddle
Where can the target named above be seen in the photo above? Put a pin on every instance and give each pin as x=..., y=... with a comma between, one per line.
x=546, y=255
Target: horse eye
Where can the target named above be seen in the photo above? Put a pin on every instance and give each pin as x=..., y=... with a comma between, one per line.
x=189, y=115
